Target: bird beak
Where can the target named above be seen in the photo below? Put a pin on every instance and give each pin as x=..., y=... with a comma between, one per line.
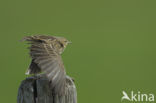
x=69, y=42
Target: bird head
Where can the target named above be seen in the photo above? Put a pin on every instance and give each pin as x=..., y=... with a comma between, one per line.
x=61, y=44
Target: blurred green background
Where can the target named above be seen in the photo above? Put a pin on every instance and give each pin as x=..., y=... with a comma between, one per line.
x=113, y=44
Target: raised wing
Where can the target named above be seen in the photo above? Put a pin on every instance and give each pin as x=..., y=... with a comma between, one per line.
x=50, y=62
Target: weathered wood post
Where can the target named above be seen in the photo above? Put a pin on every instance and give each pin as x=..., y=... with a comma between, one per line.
x=36, y=89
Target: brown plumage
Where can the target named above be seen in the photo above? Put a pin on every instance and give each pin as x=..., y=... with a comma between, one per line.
x=45, y=52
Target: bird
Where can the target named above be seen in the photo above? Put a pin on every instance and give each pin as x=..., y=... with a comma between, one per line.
x=45, y=52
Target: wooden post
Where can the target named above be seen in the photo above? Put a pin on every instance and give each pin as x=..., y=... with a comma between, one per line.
x=36, y=89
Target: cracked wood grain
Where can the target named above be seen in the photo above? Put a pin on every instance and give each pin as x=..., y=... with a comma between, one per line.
x=36, y=89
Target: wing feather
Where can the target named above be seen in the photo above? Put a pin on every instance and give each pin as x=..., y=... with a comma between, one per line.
x=49, y=61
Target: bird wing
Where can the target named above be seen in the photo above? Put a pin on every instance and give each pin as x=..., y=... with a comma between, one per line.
x=49, y=61
x=71, y=93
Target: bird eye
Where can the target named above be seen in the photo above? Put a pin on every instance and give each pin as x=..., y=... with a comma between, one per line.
x=61, y=45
